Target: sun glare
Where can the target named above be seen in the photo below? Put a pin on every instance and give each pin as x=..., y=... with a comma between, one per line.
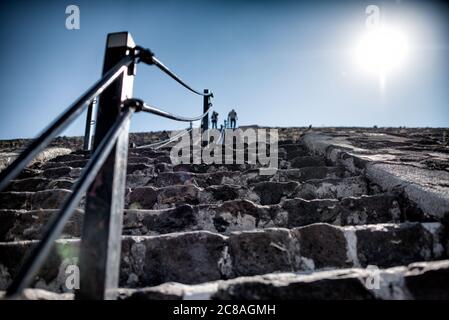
x=382, y=50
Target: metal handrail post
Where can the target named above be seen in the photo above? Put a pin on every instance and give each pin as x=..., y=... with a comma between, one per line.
x=103, y=220
x=88, y=130
x=206, y=106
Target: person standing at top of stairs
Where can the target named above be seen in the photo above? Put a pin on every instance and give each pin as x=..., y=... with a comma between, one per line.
x=214, y=119
x=232, y=117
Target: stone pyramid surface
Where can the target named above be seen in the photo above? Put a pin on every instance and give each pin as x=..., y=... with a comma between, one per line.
x=351, y=213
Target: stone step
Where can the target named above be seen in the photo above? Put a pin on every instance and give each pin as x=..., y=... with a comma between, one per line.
x=334, y=188
x=226, y=152
x=147, y=152
x=166, y=197
x=72, y=164
x=307, y=161
x=208, y=168
x=238, y=146
x=18, y=225
x=299, y=174
x=61, y=172
x=201, y=256
x=245, y=177
x=235, y=215
x=80, y=158
x=69, y=157
x=292, y=150
x=72, y=169
x=172, y=195
x=165, y=175
x=265, y=192
x=82, y=163
x=419, y=280
x=39, y=184
x=46, y=199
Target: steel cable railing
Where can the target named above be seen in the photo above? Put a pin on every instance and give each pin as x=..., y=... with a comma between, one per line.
x=63, y=120
x=171, y=140
x=167, y=71
x=174, y=138
x=110, y=127
x=168, y=115
x=146, y=56
x=151, y=109
x=38, y=254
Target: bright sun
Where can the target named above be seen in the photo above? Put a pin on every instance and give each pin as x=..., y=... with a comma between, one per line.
x=382, y=50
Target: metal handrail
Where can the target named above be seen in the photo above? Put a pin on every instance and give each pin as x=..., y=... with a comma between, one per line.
x=156, y=144
x=62, y=122
x=103, y=150
x=173, y=139
x=142, y=106
x=147, y=56
x=167, y=71
x=165, y=114
x=37, y=256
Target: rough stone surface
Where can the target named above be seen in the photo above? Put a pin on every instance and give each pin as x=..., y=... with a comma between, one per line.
x=350, y=213
x=407, y=161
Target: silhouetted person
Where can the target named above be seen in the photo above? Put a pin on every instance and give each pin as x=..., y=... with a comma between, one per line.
x=232, y=117
x=214, y=119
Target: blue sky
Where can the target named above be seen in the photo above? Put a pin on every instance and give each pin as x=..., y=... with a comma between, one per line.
x=278, y=63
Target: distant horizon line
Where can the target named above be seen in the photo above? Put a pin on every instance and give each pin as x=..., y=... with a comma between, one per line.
x=253, y=125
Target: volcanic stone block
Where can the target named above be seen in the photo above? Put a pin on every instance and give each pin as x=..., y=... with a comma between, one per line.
x=369, y=209
x=18, y=225
x=46, y=199
x=15, y=200
x=168, y=291
x=387, y=245
x=68, y=157
x=28, y=173
x=55, y=173
x=307, y=161
x=152, y=222
x=258, y=252
x=190, y=257
x=238, y=215
x=188, y=194
x=141, y=168
x=49, y=199
x=272, y=192
x=224, y=192
x=139, y=160
x=162, y=159
x=38, y=183
x=142, y=198
x=71, y=164
x=323, y=245
x=51, y=276
x=333, y=188
x=301, y=212
x=172, y=178
x=428, y=281
x=293, y=150
x=327, y=285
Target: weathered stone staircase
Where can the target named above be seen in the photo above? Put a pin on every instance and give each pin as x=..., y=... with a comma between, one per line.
x=313, y=230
